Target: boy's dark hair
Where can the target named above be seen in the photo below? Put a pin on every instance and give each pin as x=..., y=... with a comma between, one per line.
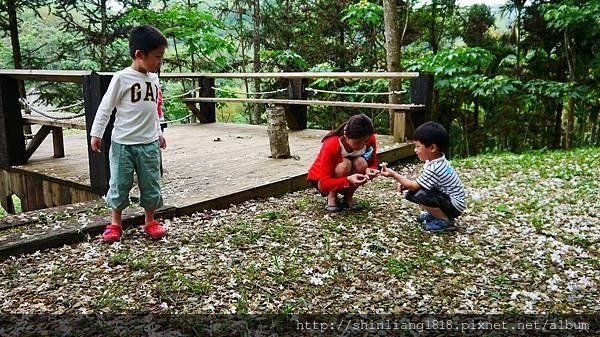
x=145, y=39
x=356, y=126
x=433, y=133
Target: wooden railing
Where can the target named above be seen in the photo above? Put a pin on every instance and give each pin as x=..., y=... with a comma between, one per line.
x=13, y=150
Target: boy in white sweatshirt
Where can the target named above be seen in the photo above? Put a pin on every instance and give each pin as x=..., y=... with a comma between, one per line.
x=136, y=136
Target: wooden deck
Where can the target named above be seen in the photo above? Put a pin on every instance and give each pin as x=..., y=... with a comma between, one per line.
x=211, y=165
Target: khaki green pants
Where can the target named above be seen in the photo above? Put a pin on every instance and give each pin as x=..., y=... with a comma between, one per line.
x=144, y=160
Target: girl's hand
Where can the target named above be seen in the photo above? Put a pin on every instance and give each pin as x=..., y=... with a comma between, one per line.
x=357, y=179
x=372, y=173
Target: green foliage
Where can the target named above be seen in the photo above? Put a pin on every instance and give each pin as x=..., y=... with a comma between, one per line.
x=196, y=30
x=363, y=14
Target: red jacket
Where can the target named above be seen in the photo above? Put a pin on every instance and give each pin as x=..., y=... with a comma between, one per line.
x=323, y=169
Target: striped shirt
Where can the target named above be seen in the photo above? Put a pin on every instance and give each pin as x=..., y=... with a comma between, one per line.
x=440, y=175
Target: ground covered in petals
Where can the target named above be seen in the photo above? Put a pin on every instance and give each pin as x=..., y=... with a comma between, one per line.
x=528, y=243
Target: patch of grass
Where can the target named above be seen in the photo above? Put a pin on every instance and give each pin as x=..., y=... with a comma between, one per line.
x=119, y=258
x=399, y=268
x=581, y=241
x=12, y=271
x=271, y=215
x=504, y=209
x=17, y=204
x=303, y=203
x=251, y=273
x=111, y=298
x=241, y=305
x=142, y=263
x=243, y=233
x=212, y=237
x=288, y=307
x=278, y=232
x=63, y=272
x=537, y=222
x=501, y=279
x=496, y=295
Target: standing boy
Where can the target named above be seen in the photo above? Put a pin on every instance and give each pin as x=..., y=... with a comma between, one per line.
x=136, y=136
x=438, y=190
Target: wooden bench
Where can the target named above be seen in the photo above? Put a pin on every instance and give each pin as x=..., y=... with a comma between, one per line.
x=49, y=125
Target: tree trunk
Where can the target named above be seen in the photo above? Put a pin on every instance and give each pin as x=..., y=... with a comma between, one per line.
x=14, y=40
x=557, y=127
x=392, y=47
x=475, y=128
x=278, y=134
x=258, y=108
x=570, y=122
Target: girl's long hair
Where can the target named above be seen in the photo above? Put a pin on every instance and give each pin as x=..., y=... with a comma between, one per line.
x=356, y=126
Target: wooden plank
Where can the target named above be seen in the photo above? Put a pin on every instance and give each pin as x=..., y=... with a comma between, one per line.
x=37, y=140
x=35, y=193
x=356, y=75
x=405, y=107
x=64, y=123
x=47, y=193
x=75, y=76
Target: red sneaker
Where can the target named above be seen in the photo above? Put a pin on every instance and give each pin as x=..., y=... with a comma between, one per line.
x=112, y=233
x=155, y=230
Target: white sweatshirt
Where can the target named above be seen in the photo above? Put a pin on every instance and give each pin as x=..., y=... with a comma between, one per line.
x=134, y=94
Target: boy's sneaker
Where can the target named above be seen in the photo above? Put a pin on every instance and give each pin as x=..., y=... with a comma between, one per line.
x=439, y=225
x=112, y=233
x=424, y=217
x=155, y=230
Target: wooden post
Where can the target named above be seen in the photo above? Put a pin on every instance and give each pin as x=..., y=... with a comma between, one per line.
x=296, y=114
x=421, y=92
x=57, y=142
x=207, y=109
x=12, y=138
x=398, y=125
x=94, y=87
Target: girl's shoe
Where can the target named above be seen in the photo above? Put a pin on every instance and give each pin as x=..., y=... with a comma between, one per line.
x=155, y=230
x=332, y=208
x=112, y=233
x=439, y=225
x=355, y=206
x=424, y=217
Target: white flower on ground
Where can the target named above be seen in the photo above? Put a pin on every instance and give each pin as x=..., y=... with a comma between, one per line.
x=316, y=281
x=409, y=289
x=556, y=258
